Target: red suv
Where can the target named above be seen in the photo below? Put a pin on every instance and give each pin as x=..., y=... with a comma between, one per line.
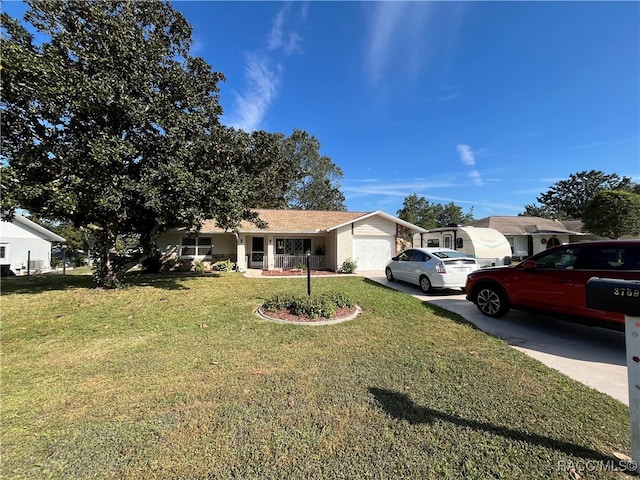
x=554, y=281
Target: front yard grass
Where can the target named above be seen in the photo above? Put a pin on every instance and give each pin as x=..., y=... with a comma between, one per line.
x=175, y=377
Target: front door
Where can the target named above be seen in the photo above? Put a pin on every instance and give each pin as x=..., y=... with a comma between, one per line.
x=447, y=240
x=257, y=252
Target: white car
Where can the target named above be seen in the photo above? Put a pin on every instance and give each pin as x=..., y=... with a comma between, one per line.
x=431, y=268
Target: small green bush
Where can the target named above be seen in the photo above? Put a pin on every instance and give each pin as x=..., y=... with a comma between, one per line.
x=348, y=266
x=314, y=306
x=224, y=266
x=198, y=266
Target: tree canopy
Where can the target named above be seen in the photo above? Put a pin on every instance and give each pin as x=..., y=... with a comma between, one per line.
x=315, y=184
x=419, y=211
x=613, y=214
x=566, y=199
x=110, y=124
x=104, y=122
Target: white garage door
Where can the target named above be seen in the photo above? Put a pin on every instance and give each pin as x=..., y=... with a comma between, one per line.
x=372, y=253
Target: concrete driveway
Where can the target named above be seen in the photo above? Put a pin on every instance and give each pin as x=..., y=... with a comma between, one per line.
x=591, y=355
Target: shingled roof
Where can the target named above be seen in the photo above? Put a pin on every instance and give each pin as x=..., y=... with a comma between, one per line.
x=523, y=225
x=307, y=221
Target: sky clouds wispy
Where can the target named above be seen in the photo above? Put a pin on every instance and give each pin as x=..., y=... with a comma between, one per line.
x=390, y=191
x=263, y=73
x=466, y=155
x=468, y=158
x=400, y=90
x=396, y=38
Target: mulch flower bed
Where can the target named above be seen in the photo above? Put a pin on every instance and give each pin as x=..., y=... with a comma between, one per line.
x=286, y=316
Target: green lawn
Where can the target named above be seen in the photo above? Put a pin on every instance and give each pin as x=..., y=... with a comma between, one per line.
x=175, y=377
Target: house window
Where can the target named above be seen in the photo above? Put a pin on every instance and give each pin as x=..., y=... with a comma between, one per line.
x=196, y=247
x=3, y=251
x=292, y=246
x=433, y=242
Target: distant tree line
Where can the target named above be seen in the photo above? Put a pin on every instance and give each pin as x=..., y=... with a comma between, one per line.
x=607, y=204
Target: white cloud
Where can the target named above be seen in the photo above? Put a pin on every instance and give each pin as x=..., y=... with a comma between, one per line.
x=263, y=73
x=476, y=178
x=263, y=81
x=466, y=155
x=275, y=35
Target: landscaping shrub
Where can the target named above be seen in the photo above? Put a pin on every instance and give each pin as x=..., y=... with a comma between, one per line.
x=224, y=266
x=311, y=306
x=198, y=266
x=348, y=266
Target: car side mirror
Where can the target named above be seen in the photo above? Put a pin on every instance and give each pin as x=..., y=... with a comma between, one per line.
x=396, y=258
x=530, y=265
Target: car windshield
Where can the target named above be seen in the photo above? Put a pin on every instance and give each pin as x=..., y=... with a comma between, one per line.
x=449, y=254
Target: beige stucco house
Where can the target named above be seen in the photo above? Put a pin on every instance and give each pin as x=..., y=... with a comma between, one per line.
x=331, y=237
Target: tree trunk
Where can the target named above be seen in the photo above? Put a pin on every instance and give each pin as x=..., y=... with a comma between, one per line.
x=106, y=270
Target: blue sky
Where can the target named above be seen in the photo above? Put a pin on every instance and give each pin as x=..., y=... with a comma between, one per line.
x=485, y=104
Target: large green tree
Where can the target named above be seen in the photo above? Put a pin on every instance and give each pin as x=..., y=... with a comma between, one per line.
x=316, y=180
x=566, y=199
x=419, y=211
x=106, y=121
x=613, y=214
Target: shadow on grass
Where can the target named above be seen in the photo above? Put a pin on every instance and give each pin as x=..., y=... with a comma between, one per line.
x=58, y=282
x=401, y=407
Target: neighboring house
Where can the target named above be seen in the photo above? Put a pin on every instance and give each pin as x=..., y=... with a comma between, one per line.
x=25, y=246
x=331, y=237
x=530, y=235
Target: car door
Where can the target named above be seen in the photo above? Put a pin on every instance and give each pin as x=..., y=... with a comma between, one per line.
x=401, y=267
x=603, y=261
x=551, y=283
x=417, y=266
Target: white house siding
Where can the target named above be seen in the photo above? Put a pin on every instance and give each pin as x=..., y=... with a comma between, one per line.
x=374, y=226
x=519, y=245
x=539, y=246
x=223, y=246
x=344, y=245
x=331, y=251
x=22, y=245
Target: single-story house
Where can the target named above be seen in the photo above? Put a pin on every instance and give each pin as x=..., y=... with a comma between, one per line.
x=331, y=237
x=25, y=246
x=530, y=235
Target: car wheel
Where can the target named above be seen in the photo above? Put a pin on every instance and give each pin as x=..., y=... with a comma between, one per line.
x=389, y=274
x=425, y=284
x=492, y=301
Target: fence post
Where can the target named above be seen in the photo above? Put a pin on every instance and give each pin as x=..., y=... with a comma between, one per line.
x=28, y=263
